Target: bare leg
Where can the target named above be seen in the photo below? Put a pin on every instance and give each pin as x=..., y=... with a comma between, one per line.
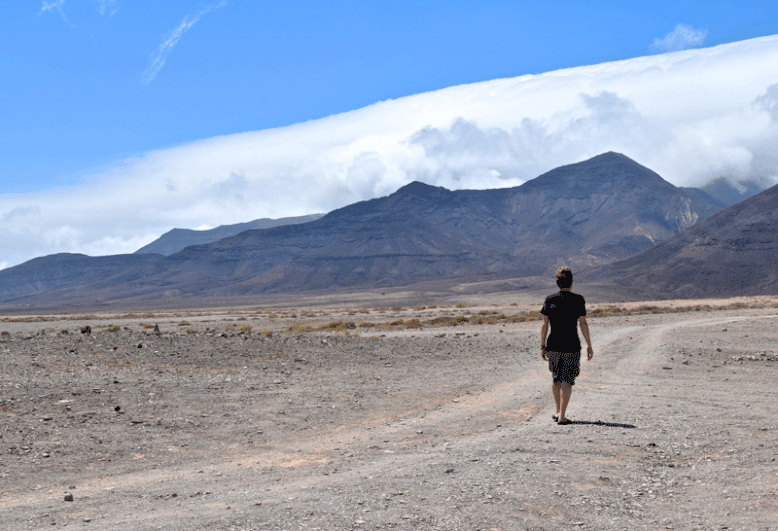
x=556, y=391
x=565, y=391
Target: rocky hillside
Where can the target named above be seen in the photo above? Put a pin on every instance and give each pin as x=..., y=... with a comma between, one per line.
x=734, y=252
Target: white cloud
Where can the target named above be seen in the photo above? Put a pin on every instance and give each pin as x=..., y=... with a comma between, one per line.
x=690, y=116
x=55, y=4
x=171, y=39
x=681, y=38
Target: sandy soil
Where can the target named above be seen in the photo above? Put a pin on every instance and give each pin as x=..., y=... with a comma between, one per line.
x=203, y=426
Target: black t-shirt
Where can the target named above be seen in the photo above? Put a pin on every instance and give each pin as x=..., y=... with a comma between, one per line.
x=563, y=310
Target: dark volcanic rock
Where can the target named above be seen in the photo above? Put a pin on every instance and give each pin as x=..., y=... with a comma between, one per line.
x=734, y=252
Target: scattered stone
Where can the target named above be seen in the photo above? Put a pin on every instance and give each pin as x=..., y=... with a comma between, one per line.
x=86, y=330
x=69, y=497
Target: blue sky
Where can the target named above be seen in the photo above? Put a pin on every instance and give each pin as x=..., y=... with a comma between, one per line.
x=122, y=120
x=80, y=90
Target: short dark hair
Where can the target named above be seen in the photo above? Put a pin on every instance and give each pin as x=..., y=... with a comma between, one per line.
x=564, y=277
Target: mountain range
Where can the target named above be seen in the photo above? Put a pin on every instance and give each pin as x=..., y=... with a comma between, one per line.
x=587, y=215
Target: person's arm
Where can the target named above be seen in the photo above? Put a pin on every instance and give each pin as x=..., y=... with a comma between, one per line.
x=543, y=335
x=585, y=332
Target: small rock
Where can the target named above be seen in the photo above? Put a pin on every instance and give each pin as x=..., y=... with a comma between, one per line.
x=69, y=497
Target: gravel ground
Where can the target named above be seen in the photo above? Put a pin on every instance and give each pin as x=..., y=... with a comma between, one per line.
x=433, y=428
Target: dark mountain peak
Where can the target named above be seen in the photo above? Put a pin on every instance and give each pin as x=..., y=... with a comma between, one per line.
x=609, y=172
x=418, y=188
x=610, y=157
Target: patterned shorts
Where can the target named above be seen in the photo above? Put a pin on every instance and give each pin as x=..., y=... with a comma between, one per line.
x=565, y=366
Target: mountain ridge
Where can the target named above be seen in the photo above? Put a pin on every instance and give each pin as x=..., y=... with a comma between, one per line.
x=177, y=239
x=422, y=233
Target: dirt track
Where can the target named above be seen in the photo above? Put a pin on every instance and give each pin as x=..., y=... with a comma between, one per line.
x=444, y=428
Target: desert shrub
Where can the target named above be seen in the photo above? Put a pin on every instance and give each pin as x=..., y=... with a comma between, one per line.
x=298, y=328
x=246, y=329
x=398, y=322
x=337, y=325
x=397, y=308
x=413, y=323
x=147, y=326
x=267, y=333
x=460, y=305
x=448, y=321
x=271, y=315
x=4, y=333
x=417, y=308
x=184, y=323
x=367, y=325
x=241, y=319
x=191, y=331
x=112, y=328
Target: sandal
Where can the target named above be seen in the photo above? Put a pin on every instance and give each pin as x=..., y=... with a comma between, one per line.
x=555, y=417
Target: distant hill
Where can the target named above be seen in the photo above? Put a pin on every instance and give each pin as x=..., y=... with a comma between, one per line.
x=728, y=192
x=64, y=269
x=176, y=239
x=593, y=212
x=734, y=252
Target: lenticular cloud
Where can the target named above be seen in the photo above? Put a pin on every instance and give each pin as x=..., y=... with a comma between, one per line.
x=689, y=115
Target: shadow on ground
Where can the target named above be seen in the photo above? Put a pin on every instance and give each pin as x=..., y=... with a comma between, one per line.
x=601, y=423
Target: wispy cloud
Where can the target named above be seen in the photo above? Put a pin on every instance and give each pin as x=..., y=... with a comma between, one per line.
x=106, y=7
x=55, y=4
x=681, y=38
x=171, y=39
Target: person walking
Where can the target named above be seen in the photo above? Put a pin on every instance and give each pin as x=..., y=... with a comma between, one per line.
x=562, y=348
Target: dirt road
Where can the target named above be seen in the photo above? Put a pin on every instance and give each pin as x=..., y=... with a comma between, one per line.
x=445, y=428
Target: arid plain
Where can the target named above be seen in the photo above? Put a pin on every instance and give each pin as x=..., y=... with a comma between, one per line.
x=425, y=416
